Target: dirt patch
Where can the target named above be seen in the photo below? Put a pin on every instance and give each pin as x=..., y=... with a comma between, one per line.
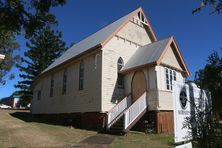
x=99, y=139
x=96, y=141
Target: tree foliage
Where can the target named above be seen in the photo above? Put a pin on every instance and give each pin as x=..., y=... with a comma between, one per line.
x=26, y=15
x=21, y=17
x=215, y=4
x=44, y=47
x=204, y=130
x=8, y=45
x=210, y=78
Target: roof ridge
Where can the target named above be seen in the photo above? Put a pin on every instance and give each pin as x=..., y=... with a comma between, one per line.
x=111, y=22
x=157, y=41
x=94, y=40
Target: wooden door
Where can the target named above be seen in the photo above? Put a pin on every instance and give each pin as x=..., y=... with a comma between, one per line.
x=138, y=85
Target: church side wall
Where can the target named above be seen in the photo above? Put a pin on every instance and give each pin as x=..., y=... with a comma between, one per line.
x=75, y=100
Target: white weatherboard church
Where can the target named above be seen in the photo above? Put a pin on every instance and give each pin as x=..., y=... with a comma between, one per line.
x=114, y=77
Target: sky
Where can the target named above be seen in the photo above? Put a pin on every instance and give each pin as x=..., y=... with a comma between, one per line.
x=196, y=35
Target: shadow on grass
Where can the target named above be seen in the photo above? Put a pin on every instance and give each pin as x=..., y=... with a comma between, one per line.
x=28, y=117
x=71, y=120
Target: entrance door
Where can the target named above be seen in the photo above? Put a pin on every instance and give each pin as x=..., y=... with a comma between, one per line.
x=138, y=85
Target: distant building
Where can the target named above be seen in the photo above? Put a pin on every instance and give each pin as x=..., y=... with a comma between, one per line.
x=10, y=101
x=2, y=57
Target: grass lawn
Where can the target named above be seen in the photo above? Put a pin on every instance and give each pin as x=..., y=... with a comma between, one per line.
x=27, y=133
x=142, y=140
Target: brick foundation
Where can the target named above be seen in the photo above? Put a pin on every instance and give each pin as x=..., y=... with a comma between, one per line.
x=94, y=120
x=90, y=120
x=156, y=121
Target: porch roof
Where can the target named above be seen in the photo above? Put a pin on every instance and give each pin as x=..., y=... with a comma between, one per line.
x=146, y=55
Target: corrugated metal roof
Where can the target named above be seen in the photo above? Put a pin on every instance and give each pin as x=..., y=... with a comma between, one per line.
x=147, y=54
x=89, y=42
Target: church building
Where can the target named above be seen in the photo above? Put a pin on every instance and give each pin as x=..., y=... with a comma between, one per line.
x=114, y=78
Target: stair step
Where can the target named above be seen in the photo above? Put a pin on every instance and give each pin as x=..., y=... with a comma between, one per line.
x=116, y=132
x=120, y=121
x=115, y=127
x=118, y=124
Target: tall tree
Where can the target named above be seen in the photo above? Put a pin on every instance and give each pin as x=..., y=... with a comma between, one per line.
x=210, y=78
x=8, y=45
x=44, y=47
x=216, y=5
x=21, y=17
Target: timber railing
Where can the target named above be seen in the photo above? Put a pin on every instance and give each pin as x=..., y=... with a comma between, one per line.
x=134, y=111
x=115, y=113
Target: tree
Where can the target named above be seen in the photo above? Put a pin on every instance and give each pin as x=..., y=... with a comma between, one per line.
x=215, y=4
x=204, y=130
x=21, y=17
x=8, y=45
x=26, y=15
x=45, y=46
x=210, y=78
x=15, y=93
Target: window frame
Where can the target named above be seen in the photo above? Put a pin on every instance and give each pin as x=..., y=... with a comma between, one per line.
x=170, y=75
x=81, y=75
x=51, y=86
x=64, y=82
x=120, y=77
x=39, y=95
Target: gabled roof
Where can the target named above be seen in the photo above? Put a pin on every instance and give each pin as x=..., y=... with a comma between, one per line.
x=152, y=54
x=98, y=39
x=147, y=54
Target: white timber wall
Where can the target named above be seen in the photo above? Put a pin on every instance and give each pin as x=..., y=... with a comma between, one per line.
x=165, y=97
x=124, y=45
x=75, y=100
x=152, y=89
x=171, y=59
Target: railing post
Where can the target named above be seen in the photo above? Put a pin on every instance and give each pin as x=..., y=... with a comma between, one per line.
x=108, y=121
x=125, y=120
x=117, y=110
x=134, y=110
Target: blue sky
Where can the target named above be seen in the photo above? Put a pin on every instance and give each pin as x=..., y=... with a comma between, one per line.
x=197, y=35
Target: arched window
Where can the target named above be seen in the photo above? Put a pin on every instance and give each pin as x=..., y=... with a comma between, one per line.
x=120, y=64
x=120, y=79
x=81, y=75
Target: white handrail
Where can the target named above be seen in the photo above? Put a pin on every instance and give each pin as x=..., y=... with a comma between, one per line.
x=135, y=110
x=114, y=113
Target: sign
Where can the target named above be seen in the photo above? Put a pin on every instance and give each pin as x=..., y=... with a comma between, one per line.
x=181, y=104
x=185, y=98
x=187, y=145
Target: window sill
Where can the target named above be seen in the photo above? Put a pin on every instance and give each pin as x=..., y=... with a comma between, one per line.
x=166, y=90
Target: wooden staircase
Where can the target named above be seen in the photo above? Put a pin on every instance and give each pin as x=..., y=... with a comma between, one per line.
x=124, y=115
x=118, y=126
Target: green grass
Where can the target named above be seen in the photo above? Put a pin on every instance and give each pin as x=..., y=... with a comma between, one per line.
x=18, y=133
x=142, y=140
x=23, y=131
